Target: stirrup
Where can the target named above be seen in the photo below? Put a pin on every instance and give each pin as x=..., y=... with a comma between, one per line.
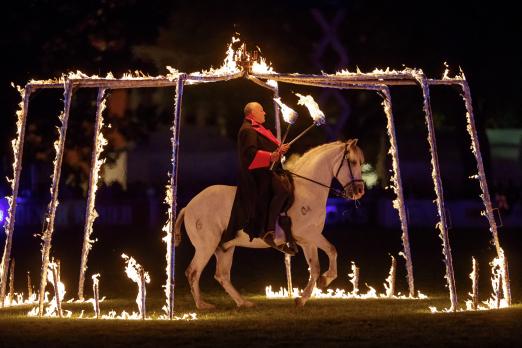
x=268, y=238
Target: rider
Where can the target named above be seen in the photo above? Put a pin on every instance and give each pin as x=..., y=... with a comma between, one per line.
x=261, y=193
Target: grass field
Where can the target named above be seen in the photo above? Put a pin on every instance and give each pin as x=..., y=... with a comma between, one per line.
x=379, y=322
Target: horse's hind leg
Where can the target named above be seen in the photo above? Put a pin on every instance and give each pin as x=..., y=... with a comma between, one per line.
x=327, y=277
x=193, y=273
x=312, y=258
x=223, y=266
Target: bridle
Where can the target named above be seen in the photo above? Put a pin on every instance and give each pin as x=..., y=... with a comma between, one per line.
x=339, y=193
x=346, y=159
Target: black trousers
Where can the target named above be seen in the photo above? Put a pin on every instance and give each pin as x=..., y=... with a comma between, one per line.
x=281, y=192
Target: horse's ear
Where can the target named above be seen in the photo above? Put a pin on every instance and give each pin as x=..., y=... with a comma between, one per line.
x=352, y=142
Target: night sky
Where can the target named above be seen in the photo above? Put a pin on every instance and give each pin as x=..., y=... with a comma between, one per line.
x=43, y=39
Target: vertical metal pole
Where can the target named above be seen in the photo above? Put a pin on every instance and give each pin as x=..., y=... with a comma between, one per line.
x=288, y=258
x=90, y=213
x=29, y=287
x=142, y=286
x=486, y=199
x=288, y=267
x=399, y=202
x=18, y=148
x=437, y=182
x=96, y=294
x=59, y=146
x=11, y=281
x=56, y=283
x=171, y=248
x=276, y=115
x=354, y=279
x=474, y=284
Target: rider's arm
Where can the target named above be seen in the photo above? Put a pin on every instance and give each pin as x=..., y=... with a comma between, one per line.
x=251, y=155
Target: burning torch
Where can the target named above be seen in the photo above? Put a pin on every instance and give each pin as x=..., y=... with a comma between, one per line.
x=316, y=113
x=289, y=115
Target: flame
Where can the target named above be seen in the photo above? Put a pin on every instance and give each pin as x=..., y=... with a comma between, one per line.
x=377, y=71
x=313, y=108
x=389, y=284
x=272, y=83
x=289, y=115
x=168, y=240
x=262, y=67
x=99, y=146
x=52, y=308
x=132, y=269
x=229, y=64
x=354, y=278
x=20, y=300
x=497, y=299
x=282, y=293
x=341, y=293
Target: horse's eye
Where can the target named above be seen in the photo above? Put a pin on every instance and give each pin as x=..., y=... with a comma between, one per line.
x=353, y=162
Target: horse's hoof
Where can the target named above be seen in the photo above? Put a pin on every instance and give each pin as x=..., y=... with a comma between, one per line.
x=299, y=302
x=247, y=304
x=205, y=306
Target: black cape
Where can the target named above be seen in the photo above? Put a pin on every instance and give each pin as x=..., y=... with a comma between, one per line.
x=254, y=191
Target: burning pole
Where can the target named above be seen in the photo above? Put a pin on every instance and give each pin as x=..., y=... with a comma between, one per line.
x=354, y=279
x=288, y=267
x=47, y=235
x=96, y=163
x=29, y=286
x=17, y=145
x=96, y=294
x=390, y=281
x=138, y=275
x=171, y=200
x=11, y=282
x=143, y=309
x=474, y=276
x=437, y=182
x=316, y=114
x=55, y=272
x=276, y=109
x=481, y=176
x=396, y=180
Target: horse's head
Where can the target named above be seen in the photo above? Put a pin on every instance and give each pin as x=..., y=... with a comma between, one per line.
x=348, y=171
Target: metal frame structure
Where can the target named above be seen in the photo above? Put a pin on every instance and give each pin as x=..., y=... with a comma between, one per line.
x=378, y=81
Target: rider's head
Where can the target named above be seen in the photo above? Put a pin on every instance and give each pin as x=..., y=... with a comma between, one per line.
x=255, y=110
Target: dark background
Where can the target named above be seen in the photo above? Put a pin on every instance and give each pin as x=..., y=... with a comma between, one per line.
x=44, y=39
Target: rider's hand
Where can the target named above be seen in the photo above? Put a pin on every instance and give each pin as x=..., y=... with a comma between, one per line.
x=284, y=148
x=275, y=156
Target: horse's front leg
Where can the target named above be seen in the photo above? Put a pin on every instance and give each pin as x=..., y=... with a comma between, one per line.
x=310, y=252
x=327, y=277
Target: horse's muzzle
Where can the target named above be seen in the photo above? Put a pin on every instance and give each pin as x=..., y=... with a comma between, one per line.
x=355, y=189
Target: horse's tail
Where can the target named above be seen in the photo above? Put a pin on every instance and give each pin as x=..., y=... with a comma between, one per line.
x=177, y=227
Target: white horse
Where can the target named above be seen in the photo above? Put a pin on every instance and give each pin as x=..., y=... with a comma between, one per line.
x=206, y=218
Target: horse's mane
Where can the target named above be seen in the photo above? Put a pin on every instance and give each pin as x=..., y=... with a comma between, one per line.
x=296, y=163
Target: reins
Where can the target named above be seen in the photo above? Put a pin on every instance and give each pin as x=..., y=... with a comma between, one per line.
x=336, y=192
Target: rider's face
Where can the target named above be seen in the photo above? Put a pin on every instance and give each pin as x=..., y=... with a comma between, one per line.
x=258, y=113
